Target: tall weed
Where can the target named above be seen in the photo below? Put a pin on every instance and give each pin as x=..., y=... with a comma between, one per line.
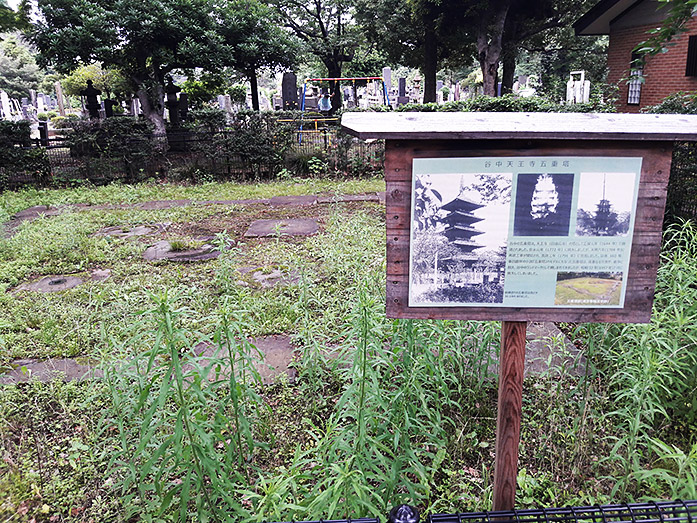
x=652, y=368
x=185, y=422
x=404, y=385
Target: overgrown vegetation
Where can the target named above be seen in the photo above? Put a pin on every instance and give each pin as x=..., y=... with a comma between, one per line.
x=381, y=412
x=682, y=190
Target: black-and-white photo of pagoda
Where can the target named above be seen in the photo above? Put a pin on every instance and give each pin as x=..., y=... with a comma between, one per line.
x=604, y=204
x=458, y=240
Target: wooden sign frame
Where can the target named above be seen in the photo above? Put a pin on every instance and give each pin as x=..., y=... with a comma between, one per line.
x=643, y=264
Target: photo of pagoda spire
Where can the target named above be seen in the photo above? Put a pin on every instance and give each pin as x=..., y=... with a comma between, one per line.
x=458, y=255
x=604, y=204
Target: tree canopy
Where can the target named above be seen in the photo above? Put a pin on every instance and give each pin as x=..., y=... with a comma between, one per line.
x=18, y=69
x=11, y=19
x=147, y=39
x=680, y=11
x=327, y=30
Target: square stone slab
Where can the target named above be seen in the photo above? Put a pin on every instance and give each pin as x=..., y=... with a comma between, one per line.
x=296, y=227
x=293, y=201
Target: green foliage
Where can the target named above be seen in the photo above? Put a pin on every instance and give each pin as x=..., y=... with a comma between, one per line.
x=18, y=69
x=55, y=458
x=185, y=425
x=14, y=133
x=259, y=140
x=238, y=94
x=682, y=187
x=121, y=139
x=511, y=103
x=679, y=13
x=652, y=368
x=149, y=39
x=206, y=119
x=203, y=86
x=382, y=411
x=110, y=81
x=11, y=19
x=673, y=470
x=18, y=156
x=677, y=103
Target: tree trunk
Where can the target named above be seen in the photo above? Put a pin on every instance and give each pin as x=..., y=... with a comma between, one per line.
x=489, y=43
x=255, y=89
x=508, y=76
x=509, y=53
x=430, y=57
x=152, y=105
x=334, y=71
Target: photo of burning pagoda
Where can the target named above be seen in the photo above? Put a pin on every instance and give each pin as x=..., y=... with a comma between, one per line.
x=458, y=238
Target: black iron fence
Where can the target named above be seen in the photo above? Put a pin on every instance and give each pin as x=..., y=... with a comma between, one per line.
x=197, y=156
x=648, y=512
x=682, y=188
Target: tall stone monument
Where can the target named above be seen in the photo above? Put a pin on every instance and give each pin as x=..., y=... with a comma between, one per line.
x=289, y=91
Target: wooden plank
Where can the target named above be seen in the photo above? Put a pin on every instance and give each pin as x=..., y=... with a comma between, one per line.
x=510, y=409
x=520, y=126
x=645, y=244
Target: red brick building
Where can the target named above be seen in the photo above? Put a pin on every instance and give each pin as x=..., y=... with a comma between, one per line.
x=627, y=23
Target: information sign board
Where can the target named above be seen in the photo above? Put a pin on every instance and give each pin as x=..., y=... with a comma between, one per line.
x=522, y=231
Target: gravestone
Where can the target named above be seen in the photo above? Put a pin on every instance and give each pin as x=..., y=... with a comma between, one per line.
x=5, y=108
x=172, y=102
x=578, y=91
x=59, y=97
x=311, y=103
x=183, y=106
x=108, y=106
x=92, y=104
x=402, y=97
x=289, y=91
x=25, y=108
x=135, y=106
x=387, y=78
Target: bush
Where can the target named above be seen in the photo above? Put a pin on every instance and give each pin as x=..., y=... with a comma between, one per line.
x=682, y=187
x=17, y=157
x=120, y=139
x=510, y=103
x=46, y=116
x=15, y=133
x=64, y=122
x=208, y=119
x=678, y=103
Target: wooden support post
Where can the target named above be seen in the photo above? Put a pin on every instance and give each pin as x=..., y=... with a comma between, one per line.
x=511, y=367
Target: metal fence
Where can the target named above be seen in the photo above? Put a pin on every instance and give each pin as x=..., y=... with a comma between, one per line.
x=196, y=156
x=682, y=187
x=648, y=512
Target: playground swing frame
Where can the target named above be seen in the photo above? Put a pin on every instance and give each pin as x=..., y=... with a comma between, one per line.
x=385, y=94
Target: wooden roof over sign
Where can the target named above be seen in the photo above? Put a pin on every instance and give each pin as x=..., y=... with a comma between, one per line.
x=504, y=126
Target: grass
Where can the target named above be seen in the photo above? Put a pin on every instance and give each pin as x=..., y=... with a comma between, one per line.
x=586, y=288
x=382, y=412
